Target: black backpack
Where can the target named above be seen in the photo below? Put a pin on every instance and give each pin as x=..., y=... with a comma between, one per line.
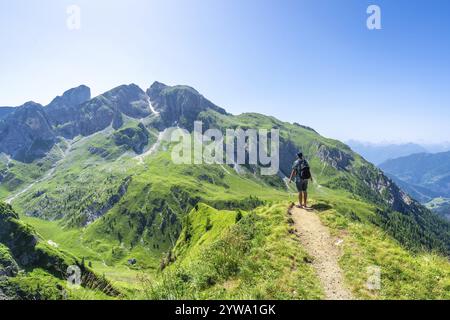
x=304, y=171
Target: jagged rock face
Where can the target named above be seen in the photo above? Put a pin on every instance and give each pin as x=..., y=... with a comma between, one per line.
x=129, y=100
x=63, y=109
x=26, y=134
x=393, y=195
x=335, y=157
x=92, y=213
x=105, y=110
x=288, y=151
x=16, y=237
x=179, y=105
x=31, y=131
x=379, y=185
x=95, y=115
x=8, y=266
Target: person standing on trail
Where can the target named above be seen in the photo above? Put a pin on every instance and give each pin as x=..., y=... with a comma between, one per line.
x=302, y=173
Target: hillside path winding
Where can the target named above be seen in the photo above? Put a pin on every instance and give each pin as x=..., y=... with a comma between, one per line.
x=325, y=252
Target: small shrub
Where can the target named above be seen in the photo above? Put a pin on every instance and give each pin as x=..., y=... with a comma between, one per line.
x=238, y=216
x=208, y=225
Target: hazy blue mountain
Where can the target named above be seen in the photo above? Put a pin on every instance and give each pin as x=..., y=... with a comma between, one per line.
x=441, y=206
x=4, y=111
x=438, y=147
x=425, y=176
x=431, y=171
x=420, y=193
x=379, y=153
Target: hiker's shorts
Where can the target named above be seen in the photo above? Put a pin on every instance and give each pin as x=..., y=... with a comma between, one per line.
x=302, y=185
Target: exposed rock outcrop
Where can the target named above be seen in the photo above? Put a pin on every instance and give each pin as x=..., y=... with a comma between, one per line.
x=105, y=110
x=93, y=212
x=179, y=105
x=63, y=109
x=26, y=134
x=335, y=157
x=8, y=266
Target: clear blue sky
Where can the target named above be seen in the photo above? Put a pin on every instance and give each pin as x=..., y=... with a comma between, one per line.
x=313, y=62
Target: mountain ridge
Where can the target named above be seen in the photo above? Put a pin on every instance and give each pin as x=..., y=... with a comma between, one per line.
x=379, y=153
x=430, y=171
x=425, y=176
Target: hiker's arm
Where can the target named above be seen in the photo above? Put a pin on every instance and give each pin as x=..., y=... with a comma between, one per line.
x=292, y=174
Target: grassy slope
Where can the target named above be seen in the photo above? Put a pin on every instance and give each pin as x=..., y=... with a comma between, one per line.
x=40, y=269
x=146, y=222
x=16, y=174
x=100, y=244
x=218, y=257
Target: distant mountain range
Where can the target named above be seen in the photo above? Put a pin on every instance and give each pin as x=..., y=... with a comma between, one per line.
x=379, y=153
x=430, y=173
x=425, y=176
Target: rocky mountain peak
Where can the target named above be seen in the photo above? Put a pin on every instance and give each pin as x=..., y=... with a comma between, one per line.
x=73, y=97
x=63, y=108
x=179, y=105
x=118, y=94
x=26, y=134
x=129, y=100
x=156, y=88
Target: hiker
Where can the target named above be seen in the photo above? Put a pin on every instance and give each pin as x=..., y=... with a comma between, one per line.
x=302, y=173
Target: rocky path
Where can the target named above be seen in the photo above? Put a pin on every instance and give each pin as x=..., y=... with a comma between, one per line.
x=324, y=250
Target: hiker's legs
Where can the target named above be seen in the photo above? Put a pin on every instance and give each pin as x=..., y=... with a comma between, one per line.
x=305, y=198
x=299, y=198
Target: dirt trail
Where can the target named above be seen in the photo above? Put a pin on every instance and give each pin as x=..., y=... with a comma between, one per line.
x=324, y=250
